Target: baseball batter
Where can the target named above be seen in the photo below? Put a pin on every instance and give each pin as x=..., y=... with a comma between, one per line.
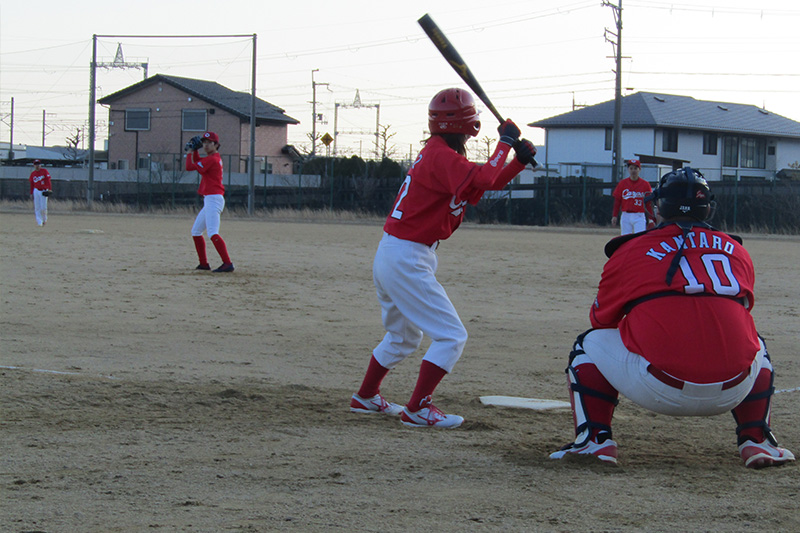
x=212, y=191
x=629, y=200
x=679, y=338
x=429, y=207
x=40, y=190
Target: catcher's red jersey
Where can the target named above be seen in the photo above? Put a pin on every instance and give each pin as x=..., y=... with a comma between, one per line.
x=629, y=196
x=699, y=327
x=430, y=204
x=210, y=169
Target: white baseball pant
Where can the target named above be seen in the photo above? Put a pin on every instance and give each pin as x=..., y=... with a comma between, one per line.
x=39, y=206
x=208, y=218
x=632, y=222
x=627, y=372
x=414, y=303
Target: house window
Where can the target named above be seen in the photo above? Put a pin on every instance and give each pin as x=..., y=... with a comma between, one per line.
x=710, y=143
x=669, y=141
x=730, y=151
x=609, y=138
x=137, y=119
x=754, y=153
x=194, y=120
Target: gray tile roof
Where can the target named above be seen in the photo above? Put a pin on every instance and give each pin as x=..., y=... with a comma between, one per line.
x=650, y=110
x=236, y=103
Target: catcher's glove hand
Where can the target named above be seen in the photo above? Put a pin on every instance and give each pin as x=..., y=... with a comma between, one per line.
x=194, y=144
x=47, y=193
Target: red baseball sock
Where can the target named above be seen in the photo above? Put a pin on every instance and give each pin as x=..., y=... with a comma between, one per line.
x=429, y=377
x=200, y=246
x=597, y=409
x=373, y=378
x=222, y=250
x=755, y=408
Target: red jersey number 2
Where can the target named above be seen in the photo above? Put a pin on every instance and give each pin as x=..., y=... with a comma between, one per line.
x=397, y=212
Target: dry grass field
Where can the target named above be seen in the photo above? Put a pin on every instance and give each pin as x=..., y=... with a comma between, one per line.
x=138, y=394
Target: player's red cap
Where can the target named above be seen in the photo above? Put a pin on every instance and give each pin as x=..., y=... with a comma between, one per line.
x=37, y=162
x=634, y=162
x=211, y=136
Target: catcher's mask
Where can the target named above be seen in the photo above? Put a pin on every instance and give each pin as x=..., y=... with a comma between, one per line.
x=683, y=192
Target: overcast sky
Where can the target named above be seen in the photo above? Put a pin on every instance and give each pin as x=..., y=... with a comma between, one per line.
x=535, y=59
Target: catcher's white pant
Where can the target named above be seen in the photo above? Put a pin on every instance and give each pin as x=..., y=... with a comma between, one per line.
x=39, y=206
x=632, y=222
x=208, y=218
x=627, y=372
x=413, y=302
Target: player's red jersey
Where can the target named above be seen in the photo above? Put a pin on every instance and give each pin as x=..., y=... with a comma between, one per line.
x=431, y=202
x=40, y=180
x=629, y=196
x=699, y=327
x=210, y=169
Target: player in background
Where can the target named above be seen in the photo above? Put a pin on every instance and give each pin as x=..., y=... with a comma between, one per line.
x=40, y=190
x=629, y=199
x=212, y=191
x=429, y=207
x=680, y=340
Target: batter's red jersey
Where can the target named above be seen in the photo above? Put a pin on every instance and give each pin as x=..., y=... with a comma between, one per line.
x=698, y=328
x=629, y=196
x=210, y=169
x=431, y=202
x=40, y=179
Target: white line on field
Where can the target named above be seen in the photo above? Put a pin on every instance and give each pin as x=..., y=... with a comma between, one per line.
x=61, y=372
x=787, y=390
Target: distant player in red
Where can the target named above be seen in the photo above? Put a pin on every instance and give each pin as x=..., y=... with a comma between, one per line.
x=429, y=208
x=678, y=338
x=40, y=190
x=629, y=199
x=212, y=191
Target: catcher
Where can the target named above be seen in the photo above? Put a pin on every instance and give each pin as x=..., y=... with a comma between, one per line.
x=679, y=338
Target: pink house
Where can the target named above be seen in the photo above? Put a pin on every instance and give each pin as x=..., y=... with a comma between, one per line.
x=152, y=120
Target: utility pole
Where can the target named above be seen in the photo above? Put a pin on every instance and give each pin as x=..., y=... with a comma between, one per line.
x=252, y=160
x=314, y=112
x=616, y=155
x=11, y=140
x=44, y=115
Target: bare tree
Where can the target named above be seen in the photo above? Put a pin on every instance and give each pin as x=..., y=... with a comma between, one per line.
x=385, y=137
x=73, y=142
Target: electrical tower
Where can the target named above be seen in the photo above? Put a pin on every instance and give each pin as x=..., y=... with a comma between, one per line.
x=119, y=62
x=357, y=104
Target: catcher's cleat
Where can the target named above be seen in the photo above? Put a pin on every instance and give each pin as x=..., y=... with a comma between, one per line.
x=224, y=267
x=763, y=454
x=376, y=404
x=606, y=451
x=429, y=416
x=203, y=266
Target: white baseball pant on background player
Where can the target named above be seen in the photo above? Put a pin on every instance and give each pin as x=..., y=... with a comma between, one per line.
x=632, y=222
x=627, y=372
x=208, y=219
x=39, y=206
x=413, y=302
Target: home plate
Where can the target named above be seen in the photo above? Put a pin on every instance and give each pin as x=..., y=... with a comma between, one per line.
x=538, y=404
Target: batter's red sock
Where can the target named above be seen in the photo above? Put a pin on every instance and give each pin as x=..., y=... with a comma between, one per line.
x=222, y=250
x=372, y=380
x=200, y=246
x=429, y=377
x=754, y=410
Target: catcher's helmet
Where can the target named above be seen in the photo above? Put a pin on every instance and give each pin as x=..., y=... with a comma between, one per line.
x=683, y=192
x=453, y=111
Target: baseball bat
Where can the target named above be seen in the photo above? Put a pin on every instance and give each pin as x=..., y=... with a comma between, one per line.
x=449, y=52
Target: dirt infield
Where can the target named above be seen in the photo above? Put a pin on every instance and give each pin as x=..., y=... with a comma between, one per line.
x=141, y=395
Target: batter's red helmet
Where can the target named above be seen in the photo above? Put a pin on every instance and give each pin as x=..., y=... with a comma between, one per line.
x=453, y=111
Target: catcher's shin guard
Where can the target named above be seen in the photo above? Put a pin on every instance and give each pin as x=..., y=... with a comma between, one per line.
x=592, y=397
x=752, y=416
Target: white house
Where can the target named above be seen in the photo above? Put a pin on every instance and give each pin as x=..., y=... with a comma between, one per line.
x=722, y=140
